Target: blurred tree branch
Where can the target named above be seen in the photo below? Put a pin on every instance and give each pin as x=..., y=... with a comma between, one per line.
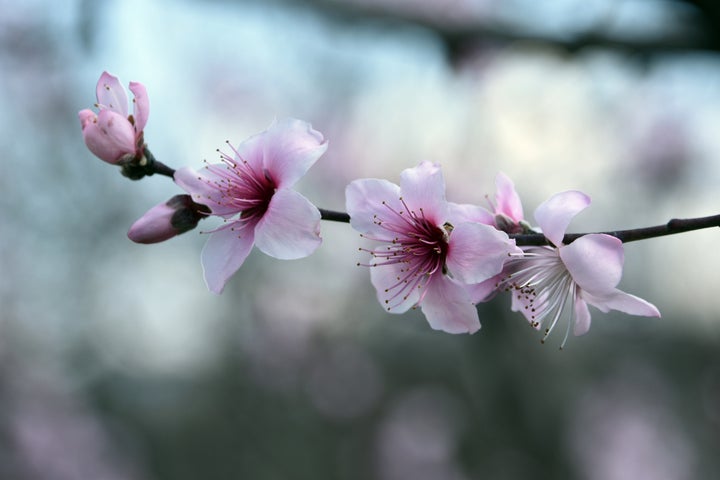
x=700, y=21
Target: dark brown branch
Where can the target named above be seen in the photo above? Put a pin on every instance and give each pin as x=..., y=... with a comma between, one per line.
x=697, y=36
x=334, y=216
x=674, y=226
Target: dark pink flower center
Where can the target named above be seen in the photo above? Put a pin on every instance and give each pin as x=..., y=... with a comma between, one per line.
x=243, y=187
x=418, y=246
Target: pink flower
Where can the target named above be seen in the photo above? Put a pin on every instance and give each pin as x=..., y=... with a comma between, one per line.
x=113, y=135
x=428, y=249
x=587, y=271
x=168, y=219
x=251, y=191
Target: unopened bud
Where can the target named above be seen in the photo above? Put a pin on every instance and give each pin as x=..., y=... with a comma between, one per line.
x=168, y=219
x=111, y=134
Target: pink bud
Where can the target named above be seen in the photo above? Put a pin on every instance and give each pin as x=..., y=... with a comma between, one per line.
x=166, y=220
x=108, y=135
x=111, y=134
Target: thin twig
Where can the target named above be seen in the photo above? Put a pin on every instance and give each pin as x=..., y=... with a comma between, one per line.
x=674, y=226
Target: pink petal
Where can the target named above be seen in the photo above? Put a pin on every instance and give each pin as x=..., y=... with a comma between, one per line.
x=290, y=228
x=623, y=302
x=251, y=151
x=484, y=291
x=290, y=148
x=447, y=307
x=582, y=317
x=364, y=199
x=423, y=188
x=86, y=117
x=554, y=215
x=530, y=309
x=201, y=186
x=477, y=252
x=595, y=262
x=110, y=138
x=384, y=278
x=225, y=252
x=508, y=201
x=458, y=213
x=141, y=105
x=111, y=94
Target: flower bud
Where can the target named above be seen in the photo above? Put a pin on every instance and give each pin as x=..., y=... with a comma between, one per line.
x=168, y=219
x=112, y=134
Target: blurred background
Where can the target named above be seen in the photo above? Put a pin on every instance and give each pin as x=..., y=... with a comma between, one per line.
x=116, y=363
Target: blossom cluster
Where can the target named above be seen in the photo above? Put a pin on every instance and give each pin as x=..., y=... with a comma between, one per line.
x=421, y=250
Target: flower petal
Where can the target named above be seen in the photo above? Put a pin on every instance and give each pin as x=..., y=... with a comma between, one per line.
x=554, y=215
x=110, y=138
x=623, y=302
x=250, y=151
x=447, y=306
x=458, y=213
x=111, y=94
x=290, y=228
x=201, y=185
x=141, y=105
x=86, y=117
x=530, y=307
x=595, y=262
x=385, y=278
x=582, y=317
x=508, y=201
x=423, y=188
x=477, y=252
x=223, y=253
x=290, y=148
x=364, y=200
x=484, y=291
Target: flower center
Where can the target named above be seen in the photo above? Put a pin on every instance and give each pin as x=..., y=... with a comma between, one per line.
x=245, y=188
x=540, y=285
x=417, y=251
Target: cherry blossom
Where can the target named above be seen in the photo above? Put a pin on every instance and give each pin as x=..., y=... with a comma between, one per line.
x=251, y=191
x=428, y=248
x=586, y=271
x=111, y=134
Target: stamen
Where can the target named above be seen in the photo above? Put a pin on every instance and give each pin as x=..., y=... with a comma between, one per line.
x=415, y=243
x=572, y=317
x=542, y=285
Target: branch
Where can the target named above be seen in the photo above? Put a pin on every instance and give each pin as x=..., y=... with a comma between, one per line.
x=674, y=226
x=334, y=216
x=698, y=36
